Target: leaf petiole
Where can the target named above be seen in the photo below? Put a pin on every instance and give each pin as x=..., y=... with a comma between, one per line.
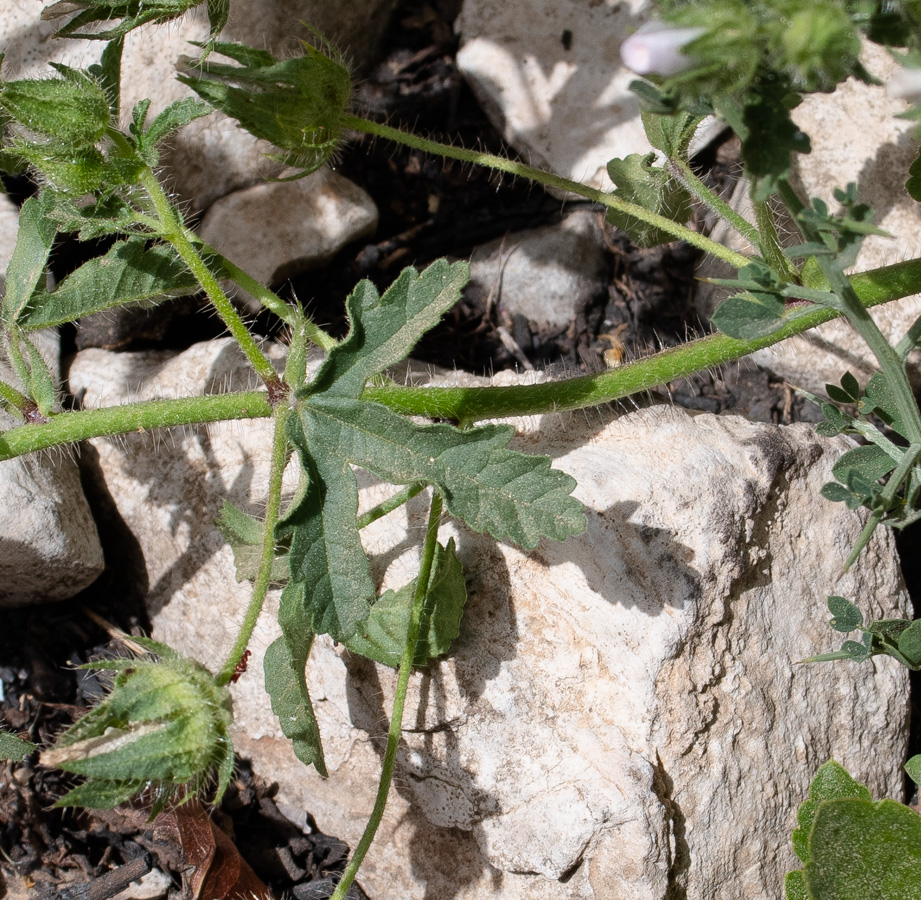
x=399, y=701
x=277, y=463
x=389, y=505
x=501, y=164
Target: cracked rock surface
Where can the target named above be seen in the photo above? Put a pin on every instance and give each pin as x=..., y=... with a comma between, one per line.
x=622, y=716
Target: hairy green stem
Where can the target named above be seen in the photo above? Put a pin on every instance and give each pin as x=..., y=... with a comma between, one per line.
x=692, y=182
x=268, y=298
x=389, y=505
x=902, y=471
x=277, y=463
x=399, y=700
x=468, y=404
x=465, y=404
x=70, y=427
x=16, y=400
x=173, y=231
x=501, y=164
x=770, y=245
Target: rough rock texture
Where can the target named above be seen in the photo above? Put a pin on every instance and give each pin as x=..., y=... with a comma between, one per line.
x=276, y=230
x=855, y=137
x=563, y=108
x=622, y=717
x=212, y=156
x=545, y=273
x=49, y=548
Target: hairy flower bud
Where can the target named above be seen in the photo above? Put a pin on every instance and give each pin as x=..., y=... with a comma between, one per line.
x=165, y=724
x=72, y=111
x=820, y=46
x=296, y=104
x=657, y=49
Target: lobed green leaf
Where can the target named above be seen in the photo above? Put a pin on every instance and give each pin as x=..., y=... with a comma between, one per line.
x=507, y=494
x=831, y=781
x=385, y=328
x=652, y=187
x=382, y=636
x=859, y=850
x=287, y=688
x=329, y=570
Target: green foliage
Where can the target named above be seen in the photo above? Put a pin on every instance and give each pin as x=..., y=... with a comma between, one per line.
x=165, y=723
x=72, y=110
x=26, y=270
x=898, y=638
x=129, y=272
x=285, y=683
x=128, y=14
x=652, y=187
x=758, y=311
x=851, y=847
x=295, y=104
x=493, y=489
x=382, y=636
x=244, y=534
x=12, y=747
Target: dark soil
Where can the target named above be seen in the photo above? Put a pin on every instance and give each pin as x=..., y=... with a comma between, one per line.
x=428, y=209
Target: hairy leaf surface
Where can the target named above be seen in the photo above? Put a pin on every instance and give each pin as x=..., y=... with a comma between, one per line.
x=30, y=256
x=382, y=636
x=12, y=747
x=510, y=495
x=652, y=187
x=385, y=329
x=129, y=273
x=287, y=687
x=861, y=851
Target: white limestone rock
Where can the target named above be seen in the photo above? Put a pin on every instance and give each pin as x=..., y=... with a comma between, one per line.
x=543, y=273
x=622, y=716
x=212, y=156
x=549, y=76
x=855, y=137
x=564, y=109
x=49, y=548
x=276, y=230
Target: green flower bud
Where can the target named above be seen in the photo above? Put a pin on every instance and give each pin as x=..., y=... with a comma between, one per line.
x=68, y=173
x=72, y=111
x=165, y=724
x=820, y=45
x=296, y=104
